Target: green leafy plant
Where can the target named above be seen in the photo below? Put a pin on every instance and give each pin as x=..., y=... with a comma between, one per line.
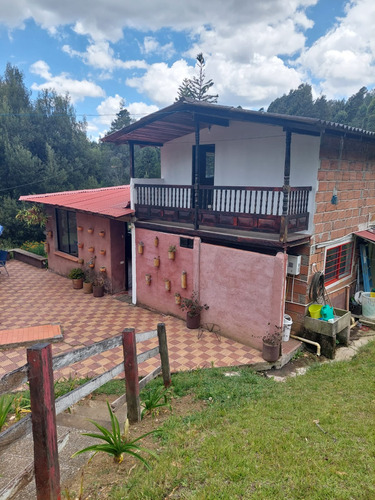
x=34, y=216
x=155, y=398
x=192, y=305
x=21, y=406
x=115, y=443
x=5, y=407
x=76, y=273
x=172, y=248
x=36, y=247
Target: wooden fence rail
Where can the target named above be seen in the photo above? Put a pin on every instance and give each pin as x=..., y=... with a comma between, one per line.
x=39, y=373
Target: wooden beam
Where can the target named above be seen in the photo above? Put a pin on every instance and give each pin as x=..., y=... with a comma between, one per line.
x=163, y=348
x=131, y=154
x=131, y=375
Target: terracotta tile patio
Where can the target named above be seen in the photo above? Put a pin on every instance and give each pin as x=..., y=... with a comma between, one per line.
x=33, y=297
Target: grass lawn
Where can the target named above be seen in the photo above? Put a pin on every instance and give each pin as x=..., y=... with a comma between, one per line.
x=311, y=437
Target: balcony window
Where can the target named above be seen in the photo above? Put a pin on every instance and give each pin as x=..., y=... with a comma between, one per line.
x=66, y=225
x=338, y=262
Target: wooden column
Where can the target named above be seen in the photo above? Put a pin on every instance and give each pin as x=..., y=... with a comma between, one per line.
x=163, y=349
x=131, y=375
x=286, y=188
x=196, y=179
x=131, y=154
x=43, y=416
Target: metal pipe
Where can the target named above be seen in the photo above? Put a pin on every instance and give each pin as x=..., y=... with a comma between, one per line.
x=308, y=342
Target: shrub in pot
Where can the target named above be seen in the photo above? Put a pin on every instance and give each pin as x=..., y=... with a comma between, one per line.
x=271, y=345
x=76, y=275
x=193, y=309
x=98, y=287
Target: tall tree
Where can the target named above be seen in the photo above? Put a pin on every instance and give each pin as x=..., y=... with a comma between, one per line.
x=196, y=88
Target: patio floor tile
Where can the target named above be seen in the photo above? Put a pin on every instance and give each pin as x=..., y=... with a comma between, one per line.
x=31, y=297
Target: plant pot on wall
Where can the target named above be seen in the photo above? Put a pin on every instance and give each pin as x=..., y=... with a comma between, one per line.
x=167, y=284
x=80, y=245
x=102, y=252
x=79, y=228
x=90, y=230
x=102, y=234
x=91, y=249
x=171, y=252
x=156, y=261
x=140, y=247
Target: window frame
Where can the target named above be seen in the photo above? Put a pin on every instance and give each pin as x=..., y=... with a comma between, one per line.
x=348, y=265
x=70, y=221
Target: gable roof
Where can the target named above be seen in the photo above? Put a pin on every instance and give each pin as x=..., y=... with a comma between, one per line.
x=180, y=118
x=110, y=201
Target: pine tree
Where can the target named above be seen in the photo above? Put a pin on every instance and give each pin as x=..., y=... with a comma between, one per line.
x=196, y=88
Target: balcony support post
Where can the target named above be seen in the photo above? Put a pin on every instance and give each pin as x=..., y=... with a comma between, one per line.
x=131, y=154
x=196, y=178
x=286, y=188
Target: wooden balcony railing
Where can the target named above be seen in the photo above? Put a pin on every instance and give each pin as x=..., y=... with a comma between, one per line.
x=243, y=207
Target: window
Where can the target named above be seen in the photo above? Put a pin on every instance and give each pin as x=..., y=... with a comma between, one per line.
x=66, y=225
x=338, y=262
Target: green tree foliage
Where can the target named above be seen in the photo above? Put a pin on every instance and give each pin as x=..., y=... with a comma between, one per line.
x=357, y=111
x=196, y=88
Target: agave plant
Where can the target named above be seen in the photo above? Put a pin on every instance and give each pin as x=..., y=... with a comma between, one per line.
x=154, y=399
x=5, y=407
x=115, y=443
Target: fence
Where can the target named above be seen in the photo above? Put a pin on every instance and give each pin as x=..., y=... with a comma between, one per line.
x=39, y=373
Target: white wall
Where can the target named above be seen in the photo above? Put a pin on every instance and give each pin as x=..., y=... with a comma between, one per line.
x=246, y=154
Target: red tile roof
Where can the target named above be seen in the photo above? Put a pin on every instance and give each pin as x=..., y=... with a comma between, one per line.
x=110, y=201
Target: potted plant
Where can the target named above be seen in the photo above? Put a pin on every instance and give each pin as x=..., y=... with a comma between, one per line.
x=177, y=298
x=90, y=230
x=167, y=284
x=102, y=233
x=140, y=247
x=171, y=252
x=76, y=275
x=98, y=287
x=87, y=285
x=193, y=309
x=156, y=261
x=271, y=345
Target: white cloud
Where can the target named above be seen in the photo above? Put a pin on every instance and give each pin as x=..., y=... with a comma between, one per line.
x=77, y=89
x=152, y=46
x=139, y=109
x=344, y=59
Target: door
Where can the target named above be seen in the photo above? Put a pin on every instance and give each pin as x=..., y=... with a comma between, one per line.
x=206, y=174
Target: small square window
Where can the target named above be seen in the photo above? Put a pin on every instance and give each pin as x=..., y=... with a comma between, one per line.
x=338, y=262
x=186, y=242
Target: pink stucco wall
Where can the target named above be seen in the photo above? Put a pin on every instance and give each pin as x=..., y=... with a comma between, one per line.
x=155, y=295
x=245, y=290
x=112, y=243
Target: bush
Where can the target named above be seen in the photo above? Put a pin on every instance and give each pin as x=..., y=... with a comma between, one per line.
x=36, y=247
x=76, y=273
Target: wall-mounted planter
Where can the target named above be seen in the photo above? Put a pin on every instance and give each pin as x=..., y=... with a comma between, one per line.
x=49, y=234
x=102, y=234
x=167, y=284
x=80, y=245
x=91, y=249
x=140, y=247
x=156, y=241
x=171, y=252
x=103, y=269
x=90, y=230
x=177, y=298
x=46, y=247
x=148, y=279
x=79, y=228
x=156, y=261
x=102, y=252
x=184, y=279
x=81, y=261
x=91, y=264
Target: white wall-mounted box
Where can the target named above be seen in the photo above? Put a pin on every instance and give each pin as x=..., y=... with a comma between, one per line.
x=294, y=264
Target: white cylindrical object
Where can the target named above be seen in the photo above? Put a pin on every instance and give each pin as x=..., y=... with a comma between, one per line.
x=368, y=305
x=287, y=327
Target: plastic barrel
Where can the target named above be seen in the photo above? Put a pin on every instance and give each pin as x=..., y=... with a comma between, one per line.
x=288, y=322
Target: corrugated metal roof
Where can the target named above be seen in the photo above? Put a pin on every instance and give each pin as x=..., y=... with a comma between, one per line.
x=369, y=235
x=110, y=201
x=180, y=119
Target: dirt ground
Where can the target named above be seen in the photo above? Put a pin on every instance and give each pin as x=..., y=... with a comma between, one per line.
x=101, y=473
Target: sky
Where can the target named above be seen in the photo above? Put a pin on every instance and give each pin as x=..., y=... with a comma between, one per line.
x=135, y=53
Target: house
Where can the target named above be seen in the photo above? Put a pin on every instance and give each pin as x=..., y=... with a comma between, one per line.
x=89, y=226
x=255, y=203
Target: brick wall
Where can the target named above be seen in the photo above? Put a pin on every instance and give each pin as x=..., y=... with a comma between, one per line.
x=353, y=176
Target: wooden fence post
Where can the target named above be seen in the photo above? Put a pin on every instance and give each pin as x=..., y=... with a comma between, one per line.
x=131, y=375
x=163, y=348
x=43, y=416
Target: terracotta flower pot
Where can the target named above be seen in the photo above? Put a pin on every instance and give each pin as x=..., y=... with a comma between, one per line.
x=80, y=245
x=91, y=249
x=90, y=230
x=103, y=269
x=102, y=252
x=193, y=322
x=171, y=255
x=177, y=299
x=167, y=284
x=81, y=261
x=79, y=228
x=77, y=283
x=140, y=248
x=87, y=287
x=102, y=234
x=156, y=241
x=156, y=261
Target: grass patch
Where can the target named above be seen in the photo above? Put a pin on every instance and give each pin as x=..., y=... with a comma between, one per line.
x=310, y=437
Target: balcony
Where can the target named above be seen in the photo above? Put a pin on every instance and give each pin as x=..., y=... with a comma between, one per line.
x=246, y=208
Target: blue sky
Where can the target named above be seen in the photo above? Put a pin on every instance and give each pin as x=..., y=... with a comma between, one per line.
x=139, y=52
